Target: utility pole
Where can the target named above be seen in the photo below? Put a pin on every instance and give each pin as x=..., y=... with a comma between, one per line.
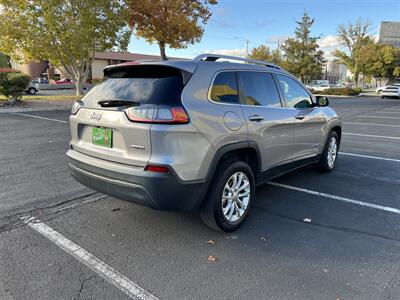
x=247, y=48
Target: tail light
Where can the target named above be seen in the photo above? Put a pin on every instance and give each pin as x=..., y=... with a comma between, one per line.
x=76, y=106
x=157, y=114
x=157, y=169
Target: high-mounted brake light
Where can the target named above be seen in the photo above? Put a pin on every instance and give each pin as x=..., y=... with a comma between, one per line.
x=157, y=114
x=157, y=169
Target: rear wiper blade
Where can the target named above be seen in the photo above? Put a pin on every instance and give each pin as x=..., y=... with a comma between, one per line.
x=117, y=103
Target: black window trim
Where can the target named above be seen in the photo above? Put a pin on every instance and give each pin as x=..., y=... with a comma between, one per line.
x=299, y=83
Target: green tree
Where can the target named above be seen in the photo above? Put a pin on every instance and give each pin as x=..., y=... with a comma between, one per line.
x=4, y=61
x=353, y=36
x=375, y=60
x=172, y=23
x=66, y=33
x=262, y=52
x=302, y=55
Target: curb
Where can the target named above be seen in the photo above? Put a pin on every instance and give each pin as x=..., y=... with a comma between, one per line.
x=32, y=109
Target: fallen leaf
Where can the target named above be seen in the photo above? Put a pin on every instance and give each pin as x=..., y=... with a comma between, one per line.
x=211, y=258
x=263, y=238
x=210, y=242
x=307, y=220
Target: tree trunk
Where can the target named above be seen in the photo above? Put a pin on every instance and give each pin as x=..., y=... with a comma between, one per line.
x=14, y=101
x=162, y=51
x=356, y=78
x=79, y=85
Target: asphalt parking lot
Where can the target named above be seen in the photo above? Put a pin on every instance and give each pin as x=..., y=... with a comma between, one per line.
x=310, y=235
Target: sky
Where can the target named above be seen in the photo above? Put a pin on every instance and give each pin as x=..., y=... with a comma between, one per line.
x=233, y=22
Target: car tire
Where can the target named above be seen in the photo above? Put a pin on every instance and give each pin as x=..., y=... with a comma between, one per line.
x=223, y=208
x=328, y=158
x=32, y=91
x=382, y=97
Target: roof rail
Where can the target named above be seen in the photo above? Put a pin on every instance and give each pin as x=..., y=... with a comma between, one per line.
x=215, y=57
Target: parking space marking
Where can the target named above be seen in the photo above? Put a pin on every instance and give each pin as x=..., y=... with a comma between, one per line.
x=387, y=112
x=379, y=117
x=33, y=116
x=393, y=109
x=373, y=136
x=123, y=283
x=371, y=124
x=330, y=196
x=369, y=156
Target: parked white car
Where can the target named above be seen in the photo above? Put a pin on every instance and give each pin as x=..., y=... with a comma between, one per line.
x=321, y=87
x=391, y=91
x=379, y=89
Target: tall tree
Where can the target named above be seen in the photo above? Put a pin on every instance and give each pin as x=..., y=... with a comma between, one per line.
x=172, y=23
x=262, y=52
x=66, y=33
x=302, y=55
x=353, y=36
x=375, y=60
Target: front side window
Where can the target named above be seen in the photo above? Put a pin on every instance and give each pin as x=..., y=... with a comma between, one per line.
x=295, y=95
x=259, y=89
x=225, y=89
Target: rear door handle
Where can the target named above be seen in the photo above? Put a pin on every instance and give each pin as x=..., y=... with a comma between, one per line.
x=300, y=117
x=256, y=118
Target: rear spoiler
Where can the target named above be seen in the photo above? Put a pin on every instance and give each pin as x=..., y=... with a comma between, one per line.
x=187, y=68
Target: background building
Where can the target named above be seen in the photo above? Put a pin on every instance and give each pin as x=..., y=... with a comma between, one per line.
x=390, y=33
x=334, y=71
x=101, y=60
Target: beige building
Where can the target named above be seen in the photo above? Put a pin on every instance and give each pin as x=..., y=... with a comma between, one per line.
x=100, y=61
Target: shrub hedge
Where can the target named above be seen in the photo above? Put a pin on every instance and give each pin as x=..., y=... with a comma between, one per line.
x=13, y=85
x=339, y=91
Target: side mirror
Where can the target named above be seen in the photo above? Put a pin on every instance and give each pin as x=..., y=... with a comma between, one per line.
x=322, y=101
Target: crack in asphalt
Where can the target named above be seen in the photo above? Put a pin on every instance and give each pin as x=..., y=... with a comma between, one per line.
x=11, y=222
x=83, y=281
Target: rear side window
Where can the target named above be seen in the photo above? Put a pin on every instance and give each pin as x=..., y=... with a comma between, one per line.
x=225, y=89
x=259, y=89
x=140, y=84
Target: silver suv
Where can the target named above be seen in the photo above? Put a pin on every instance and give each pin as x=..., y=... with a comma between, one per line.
x=200, y=134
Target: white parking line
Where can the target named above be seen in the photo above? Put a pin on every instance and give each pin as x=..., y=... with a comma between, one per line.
x=393, y=109
x=43, y=118
x=123, y=283
x=371, y=124
x=373, y=136
x=369, y=156
x=387, y=112
x=379, y=117
x=343, y=199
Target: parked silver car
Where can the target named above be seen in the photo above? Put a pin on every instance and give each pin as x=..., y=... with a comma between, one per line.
x=200, y=134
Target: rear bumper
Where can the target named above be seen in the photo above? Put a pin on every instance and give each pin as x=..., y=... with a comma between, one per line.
x=133, y=184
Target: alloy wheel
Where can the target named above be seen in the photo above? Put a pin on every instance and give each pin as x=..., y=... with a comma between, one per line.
x=236, y=197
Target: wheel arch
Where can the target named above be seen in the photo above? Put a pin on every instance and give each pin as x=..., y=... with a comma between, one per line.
x=244, y=151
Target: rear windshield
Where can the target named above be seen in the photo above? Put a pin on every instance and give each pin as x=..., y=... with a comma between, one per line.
x=140, y=84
